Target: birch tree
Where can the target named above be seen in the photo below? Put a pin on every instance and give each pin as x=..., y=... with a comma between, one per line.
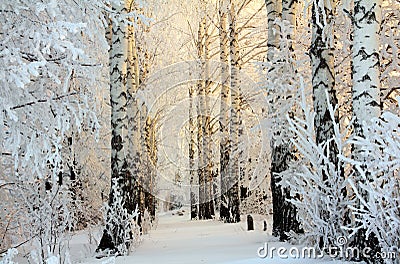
x=281, y=60
x=194, y=206
x=134, y=118
x=152, y=150
x=323, y=73
x=234, y=170
x=206, y=202
x=225, y=106
x=365, y=91
x=323, y=82
x=117, y=233
x=207, y=133
x=274, y=10
x=200, y=120
x=46, y=48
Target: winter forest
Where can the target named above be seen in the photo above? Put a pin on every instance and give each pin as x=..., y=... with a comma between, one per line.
x=208, y=131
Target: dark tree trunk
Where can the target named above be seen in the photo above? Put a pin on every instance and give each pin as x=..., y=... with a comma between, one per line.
x=284, y=212
x=250, y=223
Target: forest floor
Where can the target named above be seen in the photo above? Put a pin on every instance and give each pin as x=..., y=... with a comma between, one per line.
x=177, y=240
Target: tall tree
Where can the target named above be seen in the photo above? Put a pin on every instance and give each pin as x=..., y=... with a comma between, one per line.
x=206, y=202
x=235, y=123
x=323, y=73
x=116, y=233
x=207, y=139
x=194, y=206
x=365, y=92
x=323, y=82
x=225, y=107
x=134, y=154
x=151, y=147
x=200, y=119
x=284, y=212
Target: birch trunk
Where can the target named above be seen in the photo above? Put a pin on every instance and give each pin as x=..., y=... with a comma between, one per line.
x=274, y=9
x=366, y=70
x=323, y=74
x=144, y=168
x=201, y=122
x=225, y=107
x=366, y=91
x=151, y=145
x=133, y=114
x=284, y=212
x=323, y=82
x=234, y=170
x=113, y=236
x=194, y=203
x=208, y=166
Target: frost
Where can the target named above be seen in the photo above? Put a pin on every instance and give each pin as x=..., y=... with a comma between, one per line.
x=109, y=261
x=9, y=255
x=52, y=260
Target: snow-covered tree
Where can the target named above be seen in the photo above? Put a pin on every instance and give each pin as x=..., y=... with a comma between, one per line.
x=117, y=233
x=225, y=106
x=282, y=67
x=324, y=92
x=367, y=18
x=51, y=76
x=235, y=122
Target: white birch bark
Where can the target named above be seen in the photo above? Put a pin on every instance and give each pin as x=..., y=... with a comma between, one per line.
x=225, y=107
x=274, y=8
x=366, y=70
x=284, y=212
x=207, y=148
x=144, y=164
x=200, y=120
x=113, y=235
x=133, y=114
x=233, y=193
x=194, y=195
x=323, y=82
x=323, y=73
x=366, y=96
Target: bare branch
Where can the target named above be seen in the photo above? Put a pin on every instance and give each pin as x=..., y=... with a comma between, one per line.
x=44, y=100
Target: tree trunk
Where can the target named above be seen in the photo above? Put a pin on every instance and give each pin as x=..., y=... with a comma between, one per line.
x=323, y=82
x=201, y=122
x=234, y=170
x=134, y=117
x=366, y=90
x=208, y=166
x=284, y=212
x=274, y=9
x=152, y=165
x=145, y=162
x=194, y=202
x=225, y=107
x=323, y=75
x=114, y=233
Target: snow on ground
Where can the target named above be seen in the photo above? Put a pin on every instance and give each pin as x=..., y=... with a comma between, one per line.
x=178, y=240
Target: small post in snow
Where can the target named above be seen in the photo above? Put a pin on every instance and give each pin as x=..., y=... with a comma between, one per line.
x=250, y=223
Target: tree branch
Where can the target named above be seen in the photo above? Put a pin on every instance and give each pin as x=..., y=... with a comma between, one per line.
x=44, y=100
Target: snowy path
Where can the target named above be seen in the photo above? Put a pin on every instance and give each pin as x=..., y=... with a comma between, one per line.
x=177, y=240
